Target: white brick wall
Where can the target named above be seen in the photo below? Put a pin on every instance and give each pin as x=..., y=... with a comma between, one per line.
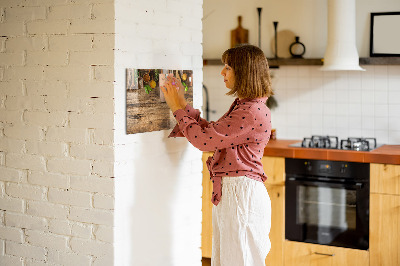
x=56, y=132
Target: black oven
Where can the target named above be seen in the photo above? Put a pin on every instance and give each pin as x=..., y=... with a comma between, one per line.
x=327, y=202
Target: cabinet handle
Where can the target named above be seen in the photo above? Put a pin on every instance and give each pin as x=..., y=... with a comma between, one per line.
x=324, y=254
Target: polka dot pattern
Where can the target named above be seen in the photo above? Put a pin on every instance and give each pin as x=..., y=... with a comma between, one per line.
x=238, y=139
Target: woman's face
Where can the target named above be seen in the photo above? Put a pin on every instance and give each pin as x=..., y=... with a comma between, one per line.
x=229, y=76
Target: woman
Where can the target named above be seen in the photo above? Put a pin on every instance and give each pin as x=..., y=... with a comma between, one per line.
x=242, y=208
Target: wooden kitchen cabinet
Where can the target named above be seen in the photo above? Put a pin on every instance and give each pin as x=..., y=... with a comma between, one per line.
x=305, y=254
x=206, y=225
x=384, y=237
x=274, y=168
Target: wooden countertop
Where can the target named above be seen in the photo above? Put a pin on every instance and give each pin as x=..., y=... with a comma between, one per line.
x=389, y=154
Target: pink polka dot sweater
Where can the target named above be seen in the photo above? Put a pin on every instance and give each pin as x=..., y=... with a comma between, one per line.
x=238, y=139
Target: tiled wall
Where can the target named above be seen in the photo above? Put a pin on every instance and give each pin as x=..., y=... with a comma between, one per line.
x=313, y=102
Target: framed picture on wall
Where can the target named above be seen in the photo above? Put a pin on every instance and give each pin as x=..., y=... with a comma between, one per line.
x=385, y=34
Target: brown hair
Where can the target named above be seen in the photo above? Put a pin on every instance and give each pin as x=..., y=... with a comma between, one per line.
x=250, y=66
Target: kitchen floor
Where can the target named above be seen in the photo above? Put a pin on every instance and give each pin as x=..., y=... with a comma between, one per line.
x=206, y=261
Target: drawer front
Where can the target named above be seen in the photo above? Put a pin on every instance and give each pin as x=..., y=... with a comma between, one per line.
x=297, y=253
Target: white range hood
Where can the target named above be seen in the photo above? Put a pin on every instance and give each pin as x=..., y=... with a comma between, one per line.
x=341, y=51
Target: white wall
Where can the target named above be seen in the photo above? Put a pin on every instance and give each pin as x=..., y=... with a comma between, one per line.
x=344, y=103
x=158, y=180
x=305, y=18
x=56, y=132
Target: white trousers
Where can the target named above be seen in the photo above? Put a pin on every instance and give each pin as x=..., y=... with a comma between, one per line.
x=241, y=223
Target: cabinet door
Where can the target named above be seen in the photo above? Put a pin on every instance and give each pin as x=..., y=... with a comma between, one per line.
x=277, y=233
x=304, y=254
x=274, y=168
x=384, y=229
x=385, y=178
x=206, y=226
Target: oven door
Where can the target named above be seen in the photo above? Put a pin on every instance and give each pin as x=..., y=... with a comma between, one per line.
x=327, y=213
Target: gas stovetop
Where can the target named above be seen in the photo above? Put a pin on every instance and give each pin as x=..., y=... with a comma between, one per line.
x=332, y=142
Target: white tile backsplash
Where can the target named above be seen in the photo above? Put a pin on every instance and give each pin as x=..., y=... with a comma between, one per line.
x=343, y=103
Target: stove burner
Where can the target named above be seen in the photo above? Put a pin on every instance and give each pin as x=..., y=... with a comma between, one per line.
x=358, y=144
x=328, y=142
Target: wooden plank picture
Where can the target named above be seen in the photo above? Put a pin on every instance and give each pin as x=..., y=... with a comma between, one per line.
x=146, y=109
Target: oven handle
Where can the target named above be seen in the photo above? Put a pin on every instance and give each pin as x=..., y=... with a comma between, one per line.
x=357, y=185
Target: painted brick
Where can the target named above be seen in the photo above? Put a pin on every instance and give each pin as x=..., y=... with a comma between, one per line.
x=95, y=216
x=99, y=120
x=22, y=43
x=92, y=151
x=26, y=161
x=46, y=118
x=104, y=73
x=71, y=43
x=44, y=27
x=56, y=103
x=11, y=233
x=91, y=26
x=46, y=148
x=47, y=58
x=68, y=258
x=12, y=204
x=48, y=179
x=11, y=260
x=81, y=73
x=104, y=233
x=82, y=230
x=11, y=116
x=60, y=227
x=93, y=184
x=25, y=250
x=64, y=134
x=91, y=247
x=25, y=103
x=103, y=202
x=11, y=88
x=12, y=145
x=12, y=29
x=24, y=73
x=3, y=44
x=46, y=209
x=91, y=58
x=96, y=105
x=103, y=169
x=46, y=88
x=69, y=197
x=70, y=166
x=24, y=132
x=2, y=158
x=46, y=2
x=25, y=221
x=2, y=222
x=103, y=41
x=103, y=11
x=25, y=191
x=101, y=136
x=91, y=89
x=70, y=12
x=24, y=13
x=105, y=260
x=47, y=240
x=11, y=59
x=32, y=262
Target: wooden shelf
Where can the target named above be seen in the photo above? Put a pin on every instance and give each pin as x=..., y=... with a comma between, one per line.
x=380, y=61
x=274, y=63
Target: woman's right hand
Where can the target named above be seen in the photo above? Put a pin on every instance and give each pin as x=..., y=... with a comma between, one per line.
x=181, y=91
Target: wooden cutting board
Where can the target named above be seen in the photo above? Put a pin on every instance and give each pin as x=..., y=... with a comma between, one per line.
x=239, y=35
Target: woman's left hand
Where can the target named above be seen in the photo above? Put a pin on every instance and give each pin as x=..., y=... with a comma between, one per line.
x=171, y=95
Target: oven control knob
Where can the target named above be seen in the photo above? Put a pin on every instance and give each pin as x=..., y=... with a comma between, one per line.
x=343, y=168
